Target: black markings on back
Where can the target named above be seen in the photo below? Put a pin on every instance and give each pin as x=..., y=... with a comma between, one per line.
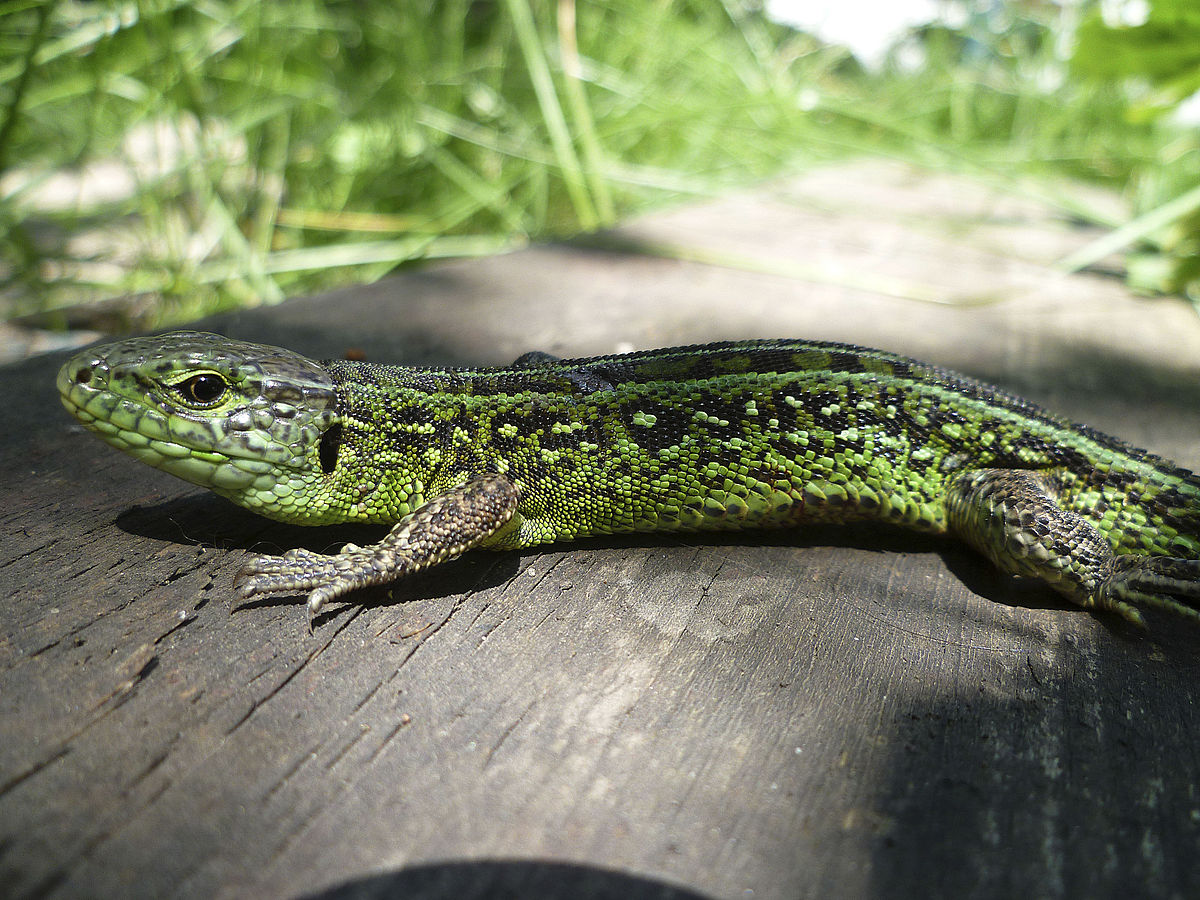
x=818, y=406
x=845, y=361
x=654, y=425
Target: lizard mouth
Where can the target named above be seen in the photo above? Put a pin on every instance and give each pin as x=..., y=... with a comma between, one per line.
x=157, y=439
x=205, y=468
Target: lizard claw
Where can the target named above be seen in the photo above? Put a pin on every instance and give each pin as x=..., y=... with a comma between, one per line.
x=1162, y=582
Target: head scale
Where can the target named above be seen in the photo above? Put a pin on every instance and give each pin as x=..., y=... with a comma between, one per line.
x=243, y=419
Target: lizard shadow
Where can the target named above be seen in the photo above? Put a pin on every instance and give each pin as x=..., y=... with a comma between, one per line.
x=203, y=519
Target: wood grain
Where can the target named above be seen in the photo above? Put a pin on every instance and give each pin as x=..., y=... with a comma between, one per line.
x=814, y=713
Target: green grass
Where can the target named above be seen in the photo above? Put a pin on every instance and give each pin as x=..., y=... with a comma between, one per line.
x=226, y=153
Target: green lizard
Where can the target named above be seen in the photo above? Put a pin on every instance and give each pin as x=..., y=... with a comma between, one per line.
x=721, y=436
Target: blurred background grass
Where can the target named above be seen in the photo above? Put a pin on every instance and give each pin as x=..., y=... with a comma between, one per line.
x=162, y=160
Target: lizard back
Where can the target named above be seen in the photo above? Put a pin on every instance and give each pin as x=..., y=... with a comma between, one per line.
x=723, y=436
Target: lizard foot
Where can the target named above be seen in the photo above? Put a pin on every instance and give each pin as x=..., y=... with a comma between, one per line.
x=441, y=529
x=1158, y=582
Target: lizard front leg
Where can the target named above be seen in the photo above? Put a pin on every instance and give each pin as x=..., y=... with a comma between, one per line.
x=1012, y=518
x=439, y=530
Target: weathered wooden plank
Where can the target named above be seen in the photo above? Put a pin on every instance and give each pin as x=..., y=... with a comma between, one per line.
x=811, y=713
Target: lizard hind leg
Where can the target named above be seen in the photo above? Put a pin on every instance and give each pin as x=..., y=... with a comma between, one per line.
x=1013, y=519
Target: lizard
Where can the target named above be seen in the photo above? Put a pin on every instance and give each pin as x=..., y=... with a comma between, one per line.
x=735, y=435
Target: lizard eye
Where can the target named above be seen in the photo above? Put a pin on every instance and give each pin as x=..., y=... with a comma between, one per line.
x=202, y=390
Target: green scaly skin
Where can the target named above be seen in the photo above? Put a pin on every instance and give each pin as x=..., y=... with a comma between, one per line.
x=722, y=436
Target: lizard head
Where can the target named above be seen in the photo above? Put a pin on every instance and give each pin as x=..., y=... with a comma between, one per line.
x=245, y=420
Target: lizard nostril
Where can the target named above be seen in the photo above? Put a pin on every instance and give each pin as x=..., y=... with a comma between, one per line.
x=90, y=371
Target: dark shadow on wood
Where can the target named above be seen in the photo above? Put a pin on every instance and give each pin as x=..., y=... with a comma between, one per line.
x=1084, y=373
x=204, y=519
x=969, y=830
x=982, y=578
x=506, y=880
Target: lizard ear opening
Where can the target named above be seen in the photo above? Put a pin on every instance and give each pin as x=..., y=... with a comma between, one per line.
x=331, y=441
